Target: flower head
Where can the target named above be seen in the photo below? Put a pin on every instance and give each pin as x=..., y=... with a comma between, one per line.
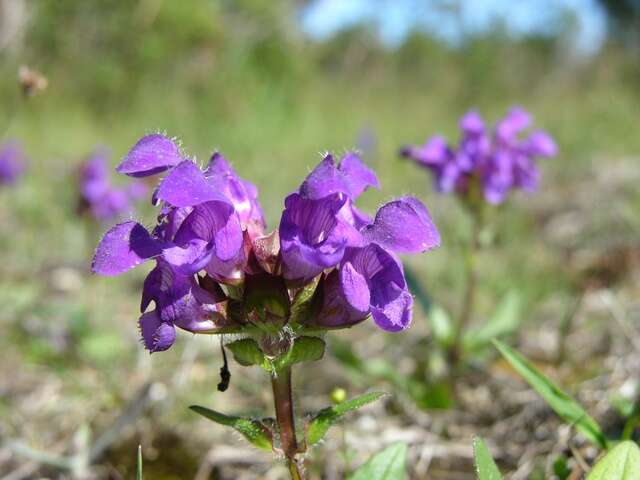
x=98, y=196
x=498, y=161
x=327, y=266
x=12, y=162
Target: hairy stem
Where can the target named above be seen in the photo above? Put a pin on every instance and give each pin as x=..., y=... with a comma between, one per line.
x=281, y=383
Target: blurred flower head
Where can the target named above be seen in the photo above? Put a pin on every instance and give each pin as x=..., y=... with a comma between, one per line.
x=498, y=161
x=98, y=196
x=12, y=162
x=217, y=270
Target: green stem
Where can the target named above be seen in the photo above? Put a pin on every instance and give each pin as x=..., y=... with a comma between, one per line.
x=281, y=383
x=468, y=301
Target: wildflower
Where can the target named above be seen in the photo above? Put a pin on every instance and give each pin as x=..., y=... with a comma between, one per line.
x=97, y=194
x=498, y=161
x=12, y=162
x=329, y=265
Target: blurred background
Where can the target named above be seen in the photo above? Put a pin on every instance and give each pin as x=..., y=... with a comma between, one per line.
x=272, y=85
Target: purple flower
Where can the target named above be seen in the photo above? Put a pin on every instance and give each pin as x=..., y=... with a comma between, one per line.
x=12, y=162
x=98, y=195
x=320, y=220
x=318, y=231
x=498, y=161
x=210, y=234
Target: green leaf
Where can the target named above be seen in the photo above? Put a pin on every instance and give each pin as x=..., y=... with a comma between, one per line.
x=506, y=319
x=253, y=430
x=246, y=352
x=565, y=406
x=389, y=464
x=318, y=426
x=304, y=349
x=139, y=467
x=486, y=468
x=621, y=463
x=441, y=326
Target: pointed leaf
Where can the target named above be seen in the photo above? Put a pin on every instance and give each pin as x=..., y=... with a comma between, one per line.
x=246, y=352
x=251, y=429
x=304, y=349
x=506, y=319
x=621, y=463
x=389, y=464
x=318, y=426
x=565, y=406
x=486, y=468
x=139, y=467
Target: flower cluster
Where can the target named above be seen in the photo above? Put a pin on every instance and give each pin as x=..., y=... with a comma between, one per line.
x=329, y=265
x=12, y=163
x=497, y=161
x=98, y=196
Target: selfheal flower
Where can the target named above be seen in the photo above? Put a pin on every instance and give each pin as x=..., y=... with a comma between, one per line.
x=328, y=266
x=319, y=231
x=498, y=161
x=12, y=163
x=98, y=196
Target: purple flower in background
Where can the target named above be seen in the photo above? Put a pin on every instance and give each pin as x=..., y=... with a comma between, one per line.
x=217, y=272
x=98, y=196
x=499, y=161
x=12, y=162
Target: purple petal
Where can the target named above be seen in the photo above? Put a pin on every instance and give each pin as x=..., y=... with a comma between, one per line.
x=358, y=175
x=186, y=186
x=152, y=154
x=434, y=152
x=394, y=315
x=215, y=222
x=218, y=165
x=156, y=335
x=324, y=180
x=541, y=144
x=404, y=226
x=189, y=258
x=123, y=247
x=241, y=193
x=390, y=301
x=516, y=120
x=355, y=288
x=312, y=237
x=336, y=311
x=472, y=123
